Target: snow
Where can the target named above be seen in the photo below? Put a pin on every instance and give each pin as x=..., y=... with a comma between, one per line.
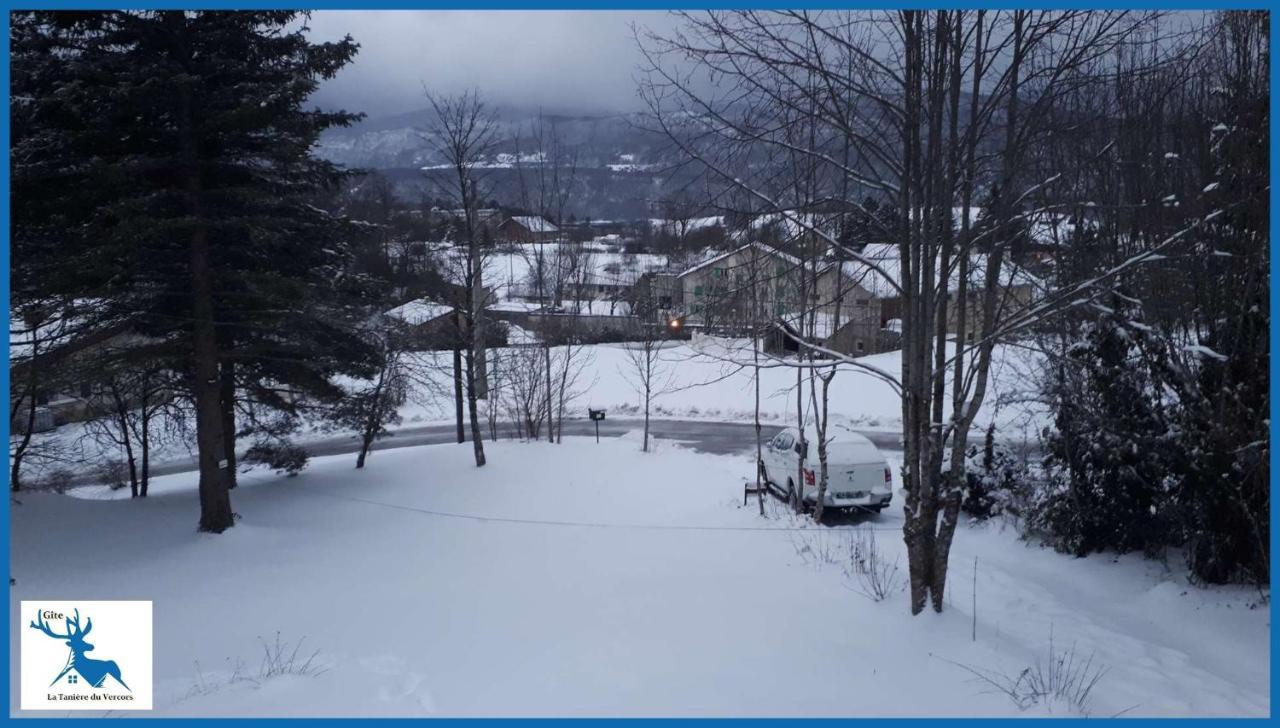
x=585, y=579
x=887, y=257
x=508, y=273
x=536, y=223
x=687, y=225
x=707, y=382
x=1205, y=351
x=761, y=247
x=419, y=312
x=594, y=307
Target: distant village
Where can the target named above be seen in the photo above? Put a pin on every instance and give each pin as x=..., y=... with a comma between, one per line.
x=791, y=277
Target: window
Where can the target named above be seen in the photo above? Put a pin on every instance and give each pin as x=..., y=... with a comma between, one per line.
x=784, y=441
x=664, y=302
x=73, y=678
x=697, y=290
x=862, y=301
x=860, y=346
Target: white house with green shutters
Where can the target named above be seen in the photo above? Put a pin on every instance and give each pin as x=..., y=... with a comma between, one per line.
x=719, y=293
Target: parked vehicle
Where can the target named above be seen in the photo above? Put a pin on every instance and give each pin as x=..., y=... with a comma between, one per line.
x=858, y=476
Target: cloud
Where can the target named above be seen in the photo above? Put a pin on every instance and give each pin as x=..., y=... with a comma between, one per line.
x=558, y=59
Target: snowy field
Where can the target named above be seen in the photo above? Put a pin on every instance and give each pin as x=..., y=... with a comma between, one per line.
x=586, y=579
x=710, y=380
x=701, y=382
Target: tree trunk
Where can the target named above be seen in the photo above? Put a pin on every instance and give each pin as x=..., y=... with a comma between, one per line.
x=546, y=350
x=476, y=437
x=228, y=387
x=797, y=493
x=648, y=391
x=33, y=381
x=145, y=438
x=374, y=420
x=215, y=497
x=126, y=439
x=25, y=441
x=755, y=353
x=457, y=392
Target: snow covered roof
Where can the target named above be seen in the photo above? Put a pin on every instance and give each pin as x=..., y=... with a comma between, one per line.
x=515, y=306
x=535, y=223
x=419, y=312
x=688, y=225
x=791, y=259
x=887, y=257
x=590, y=307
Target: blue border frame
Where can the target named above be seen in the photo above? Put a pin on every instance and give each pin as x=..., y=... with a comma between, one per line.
x=635, y=5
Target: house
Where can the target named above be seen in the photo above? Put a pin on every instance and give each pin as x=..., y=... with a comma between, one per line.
x=486, y=219
x=1016, y=289
x=723, y=291
x=58, y=357
x=427, y=325
x=528, y=229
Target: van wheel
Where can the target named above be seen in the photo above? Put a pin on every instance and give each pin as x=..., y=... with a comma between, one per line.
x=791, y=491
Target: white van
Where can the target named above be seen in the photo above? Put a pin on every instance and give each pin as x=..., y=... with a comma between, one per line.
x=858, y=476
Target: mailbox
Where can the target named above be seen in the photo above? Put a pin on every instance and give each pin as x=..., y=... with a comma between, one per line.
x=596, y=415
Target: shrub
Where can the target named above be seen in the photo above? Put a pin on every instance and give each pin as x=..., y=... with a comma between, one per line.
x=877, y=578
x=996, y=482
x=114, y=473
x=1065, y=680
x=282, y=457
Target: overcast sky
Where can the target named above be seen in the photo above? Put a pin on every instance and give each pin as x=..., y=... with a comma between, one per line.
x=575, y=59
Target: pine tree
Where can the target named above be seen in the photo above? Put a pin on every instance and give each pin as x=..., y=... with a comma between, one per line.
x=165, y=158
x=1112, y=445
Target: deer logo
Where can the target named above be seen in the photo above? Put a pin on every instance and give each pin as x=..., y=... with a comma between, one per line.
x=94, y=672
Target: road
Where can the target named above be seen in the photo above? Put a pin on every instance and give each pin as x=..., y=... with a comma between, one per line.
x=720, y=438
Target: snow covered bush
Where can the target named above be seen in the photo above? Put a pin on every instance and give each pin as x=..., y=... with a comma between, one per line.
x=114, y=474
x=996, y=482
x=281, y=456
x=58, y=480
x=1112, y=444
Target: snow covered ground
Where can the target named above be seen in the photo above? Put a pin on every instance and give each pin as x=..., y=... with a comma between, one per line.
x=585, y=579
x=702, y=383
x=707, y=380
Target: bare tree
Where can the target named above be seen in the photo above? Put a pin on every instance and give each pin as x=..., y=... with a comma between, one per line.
x=928, y=111
x=546, y=186
x=646, y=371
x=464, y=133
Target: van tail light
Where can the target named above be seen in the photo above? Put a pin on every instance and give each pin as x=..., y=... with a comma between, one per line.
x=888, y=476
x=808, y=477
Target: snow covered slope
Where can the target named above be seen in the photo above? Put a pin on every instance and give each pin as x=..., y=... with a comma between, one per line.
x=586, y=579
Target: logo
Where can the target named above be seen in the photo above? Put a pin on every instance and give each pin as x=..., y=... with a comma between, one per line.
x=63, y=670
